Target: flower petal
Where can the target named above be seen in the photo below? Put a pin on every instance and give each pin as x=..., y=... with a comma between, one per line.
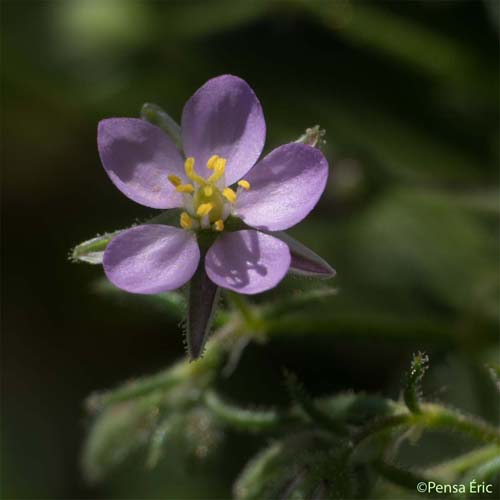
x=138, y=157
x=247, y=261
x=152, y=258
x=285, y=187
x=225, y=118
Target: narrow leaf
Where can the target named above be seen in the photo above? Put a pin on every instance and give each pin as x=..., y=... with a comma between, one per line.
x=413, y=390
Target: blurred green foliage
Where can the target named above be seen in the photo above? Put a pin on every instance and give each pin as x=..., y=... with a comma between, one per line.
x=408, y=95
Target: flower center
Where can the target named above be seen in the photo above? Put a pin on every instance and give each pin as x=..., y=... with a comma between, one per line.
x=208, y=202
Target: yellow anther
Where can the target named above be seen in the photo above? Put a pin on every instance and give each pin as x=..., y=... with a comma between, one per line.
x=229, y=194
x=189, y=168
x=208, y=190
x=219, y=167
x=204, y=209
x=244, y=184
x=186, y=221
x=219, y=225
x=211, y=161
x=175, y=180
x=185, y=188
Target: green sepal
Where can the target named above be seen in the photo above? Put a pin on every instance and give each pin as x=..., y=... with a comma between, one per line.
x=304, y=262
x=203, y=298
x=313, y=136
x=157, y=116
x=91, y=251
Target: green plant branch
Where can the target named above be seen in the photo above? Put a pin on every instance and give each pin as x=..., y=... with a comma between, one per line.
x=432, y=416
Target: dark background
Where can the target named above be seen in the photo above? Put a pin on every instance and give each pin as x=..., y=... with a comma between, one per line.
x=408, y=95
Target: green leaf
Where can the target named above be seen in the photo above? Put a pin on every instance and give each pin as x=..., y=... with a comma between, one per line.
x=356, y=408
x=163, y=431
x=245, y=419
x=296, y=467
x=116, y=433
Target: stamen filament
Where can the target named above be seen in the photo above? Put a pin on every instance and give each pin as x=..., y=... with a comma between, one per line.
x=219, y=168
x=189, y=168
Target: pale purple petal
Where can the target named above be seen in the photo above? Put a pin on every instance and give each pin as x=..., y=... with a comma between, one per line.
x=285, y=187
x=138, y=157
x=247, y=261
x=152, y=258
x=225, y=118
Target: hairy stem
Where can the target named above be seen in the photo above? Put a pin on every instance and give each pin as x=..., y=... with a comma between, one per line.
x=245, y=419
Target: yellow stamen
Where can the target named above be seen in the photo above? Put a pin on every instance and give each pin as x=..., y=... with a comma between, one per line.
x=229, y=194
x=204, y=209
x=189, y=168
x=219, y=225
x=211, y=161
x=219, y=168
x=186, y=221
x=175, y=180
x=244, y=184
x=208, y=190
x=185, y=188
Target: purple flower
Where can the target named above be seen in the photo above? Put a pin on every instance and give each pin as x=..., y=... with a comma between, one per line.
x=223, y=133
